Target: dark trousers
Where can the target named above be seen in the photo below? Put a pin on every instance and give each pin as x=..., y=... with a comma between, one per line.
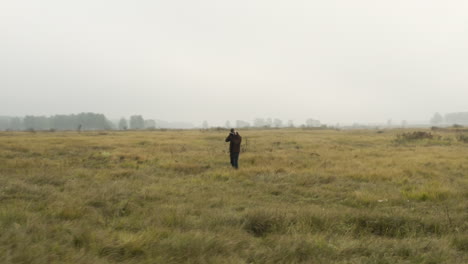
x=235, y=159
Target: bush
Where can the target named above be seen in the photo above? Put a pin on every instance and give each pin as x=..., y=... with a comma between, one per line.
x=463, y=138
x=416, y=135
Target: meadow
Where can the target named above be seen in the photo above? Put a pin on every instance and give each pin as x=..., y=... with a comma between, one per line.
x=299, y=196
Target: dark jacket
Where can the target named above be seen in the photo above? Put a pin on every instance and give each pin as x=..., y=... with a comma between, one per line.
x=235, y=142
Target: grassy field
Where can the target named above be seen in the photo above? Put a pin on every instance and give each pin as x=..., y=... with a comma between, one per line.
x=300, y=196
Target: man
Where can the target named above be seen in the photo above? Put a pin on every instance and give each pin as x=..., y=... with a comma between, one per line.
x=234, y=147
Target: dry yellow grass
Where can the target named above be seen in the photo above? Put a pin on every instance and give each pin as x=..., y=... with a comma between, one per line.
x=300, y=196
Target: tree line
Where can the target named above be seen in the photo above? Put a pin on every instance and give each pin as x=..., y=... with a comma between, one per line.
x=460, y=118
x=82, y=121
x=95, y=121
x=269, y=123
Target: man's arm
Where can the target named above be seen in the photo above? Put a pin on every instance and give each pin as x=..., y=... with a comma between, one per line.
x=228, y=138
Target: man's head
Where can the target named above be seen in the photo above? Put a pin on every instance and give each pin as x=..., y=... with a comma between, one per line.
x=233, y=130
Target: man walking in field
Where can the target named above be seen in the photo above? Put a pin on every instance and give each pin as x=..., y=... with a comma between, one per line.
x=234, y=147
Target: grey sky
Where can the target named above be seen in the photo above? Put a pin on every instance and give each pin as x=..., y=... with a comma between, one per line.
x=337, y=61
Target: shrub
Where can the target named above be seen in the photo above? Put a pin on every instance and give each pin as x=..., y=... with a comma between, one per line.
x=463, y=138
x=416, y=135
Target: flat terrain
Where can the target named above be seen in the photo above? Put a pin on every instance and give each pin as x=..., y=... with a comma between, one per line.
x=300, y=196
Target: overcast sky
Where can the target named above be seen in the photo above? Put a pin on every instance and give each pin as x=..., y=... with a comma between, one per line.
x=185, y=60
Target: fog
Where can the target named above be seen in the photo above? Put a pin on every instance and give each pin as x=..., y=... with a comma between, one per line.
x=180, y=60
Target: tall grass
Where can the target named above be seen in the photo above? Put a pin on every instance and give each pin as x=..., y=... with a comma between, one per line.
x=300, y=196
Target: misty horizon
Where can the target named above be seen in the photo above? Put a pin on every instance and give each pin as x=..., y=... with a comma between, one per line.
x=198, y=123
x=98, y=121
x=297, y=122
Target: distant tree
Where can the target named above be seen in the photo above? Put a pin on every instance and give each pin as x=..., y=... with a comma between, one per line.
x=404, y=123
x=123, y=124
x=259, y=122
x=228, y=124
x=269, y=122
x=90, y=121
x=290, y=123
x=4, y=123
x=389, y=122
x=242, y=124
x=36, y=123
x=29, y=122
x=277, y=123
x=150, y=123
x=82, y=121
x=460, y=118
x=437, y=119
x=312, y=123
x=86, y=121
x=205, y=124
x=137, y=122
x=16, y=123
x=61, y=122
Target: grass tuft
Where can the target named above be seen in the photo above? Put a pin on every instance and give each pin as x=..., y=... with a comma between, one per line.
x=260, y=222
